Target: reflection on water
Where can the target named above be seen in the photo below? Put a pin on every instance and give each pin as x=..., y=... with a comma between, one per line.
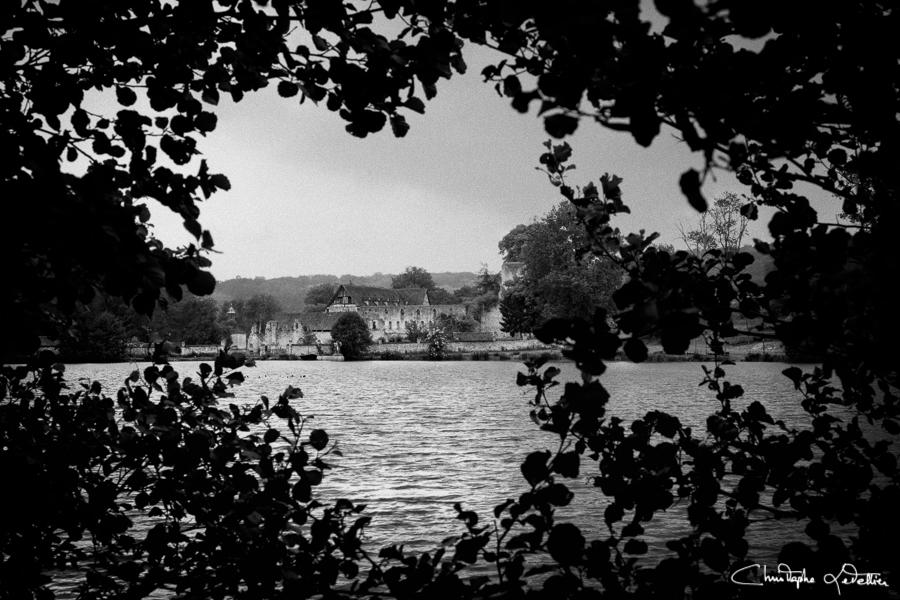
x=417, y=437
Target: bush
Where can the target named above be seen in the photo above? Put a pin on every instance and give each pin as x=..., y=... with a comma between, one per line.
x=87, y=470
x=437, y=343
x=351, y=334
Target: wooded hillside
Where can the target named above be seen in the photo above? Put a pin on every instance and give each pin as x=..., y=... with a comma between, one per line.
x=290, y=291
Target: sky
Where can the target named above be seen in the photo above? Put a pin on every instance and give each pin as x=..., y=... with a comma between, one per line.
x=308, y=198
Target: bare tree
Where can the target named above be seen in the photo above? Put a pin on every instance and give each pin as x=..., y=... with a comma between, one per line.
x=722, y=227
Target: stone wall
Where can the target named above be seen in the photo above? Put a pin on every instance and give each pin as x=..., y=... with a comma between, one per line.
x=302, y=349
x=386, y=322
x=495, y=346
x=204, y=350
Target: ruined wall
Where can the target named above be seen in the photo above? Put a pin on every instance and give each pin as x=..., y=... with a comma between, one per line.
x=491, y=319
x=386, y=322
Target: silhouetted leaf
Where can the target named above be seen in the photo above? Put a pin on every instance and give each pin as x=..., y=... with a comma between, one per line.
x=690, y=187
x=560, y=125
x=318, y=439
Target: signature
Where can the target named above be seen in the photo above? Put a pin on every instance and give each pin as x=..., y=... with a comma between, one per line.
x=849, y=576
x=784, y=574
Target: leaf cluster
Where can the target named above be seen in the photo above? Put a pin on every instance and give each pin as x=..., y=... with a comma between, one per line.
x=160, y=488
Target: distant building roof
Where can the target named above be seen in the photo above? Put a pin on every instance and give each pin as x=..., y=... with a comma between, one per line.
x=360, y=294
x=318, y=321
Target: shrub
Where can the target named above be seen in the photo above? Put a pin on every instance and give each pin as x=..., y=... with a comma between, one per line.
x=351, y=334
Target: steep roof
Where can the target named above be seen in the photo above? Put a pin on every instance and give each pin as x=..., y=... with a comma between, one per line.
x=361, y=293
x=318, y=321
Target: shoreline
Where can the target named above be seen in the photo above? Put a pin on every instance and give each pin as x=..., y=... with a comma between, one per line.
x=516, y=356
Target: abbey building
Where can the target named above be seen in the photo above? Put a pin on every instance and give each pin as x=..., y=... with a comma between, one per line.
x=386, y=312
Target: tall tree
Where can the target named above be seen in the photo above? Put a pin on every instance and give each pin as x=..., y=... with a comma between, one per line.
x=558, y=281
x=413, y=277
x=519, y=315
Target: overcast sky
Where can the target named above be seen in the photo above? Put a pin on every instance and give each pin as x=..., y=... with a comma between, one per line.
x=309, y=198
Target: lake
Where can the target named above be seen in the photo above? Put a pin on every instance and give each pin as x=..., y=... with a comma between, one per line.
x=418, y=436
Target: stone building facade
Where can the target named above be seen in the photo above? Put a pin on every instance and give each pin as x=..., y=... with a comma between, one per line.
x=385, y=311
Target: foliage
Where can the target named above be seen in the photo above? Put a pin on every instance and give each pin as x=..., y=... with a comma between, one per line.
x=437, y=342
x=193, y=320
x=722, y=227
x=318, y=297
x=455, y=323
x=95, y=337
x=174, y=492
x=259, y=308
x=439, y=295
x=482, y=296
x=559, y=281
x=519, y=315
x=416, y=331
x=465, y=294
x=90, y=177
x=352, y=334
x=828, y=474
x=413, y=277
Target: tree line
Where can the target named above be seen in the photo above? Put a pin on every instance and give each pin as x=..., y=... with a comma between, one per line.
x=102, y=329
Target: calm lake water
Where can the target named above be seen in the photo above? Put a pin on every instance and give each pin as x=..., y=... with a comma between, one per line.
x=419, y=436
